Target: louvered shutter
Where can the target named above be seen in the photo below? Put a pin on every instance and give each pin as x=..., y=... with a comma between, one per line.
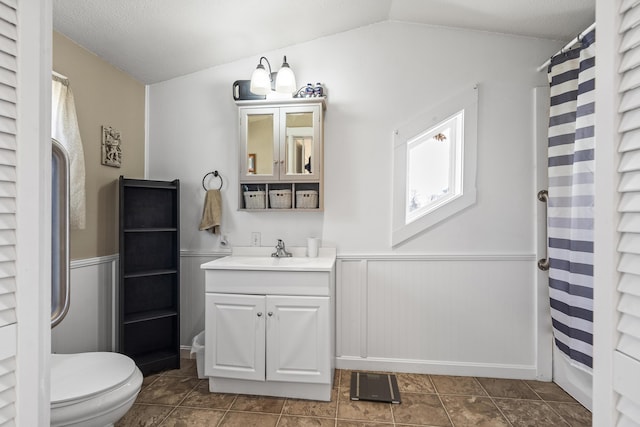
x=626, y=361
x=8, y=99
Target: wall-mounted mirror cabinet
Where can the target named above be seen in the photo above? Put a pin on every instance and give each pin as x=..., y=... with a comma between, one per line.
x=281, y=149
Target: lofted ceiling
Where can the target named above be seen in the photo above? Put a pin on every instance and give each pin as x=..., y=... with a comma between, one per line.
x=156, y=40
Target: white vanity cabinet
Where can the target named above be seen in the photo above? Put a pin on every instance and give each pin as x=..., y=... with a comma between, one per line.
x=269, y=338
x=269, y=325
x=281, y=148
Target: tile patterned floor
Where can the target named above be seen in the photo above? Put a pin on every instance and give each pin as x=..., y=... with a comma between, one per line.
x=179, y=398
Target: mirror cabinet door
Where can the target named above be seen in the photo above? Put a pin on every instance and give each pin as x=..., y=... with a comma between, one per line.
x=299, y=143
x=260, y=142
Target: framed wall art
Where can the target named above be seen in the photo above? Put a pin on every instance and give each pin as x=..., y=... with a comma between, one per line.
x=111, y=151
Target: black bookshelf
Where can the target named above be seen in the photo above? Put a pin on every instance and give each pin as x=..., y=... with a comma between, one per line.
x=149, y=289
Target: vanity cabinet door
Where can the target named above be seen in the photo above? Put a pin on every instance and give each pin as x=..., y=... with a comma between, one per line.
x=298, y=337
x=234, y=338
x=260, y=144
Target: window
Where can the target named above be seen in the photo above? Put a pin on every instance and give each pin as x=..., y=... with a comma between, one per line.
x=434, y=166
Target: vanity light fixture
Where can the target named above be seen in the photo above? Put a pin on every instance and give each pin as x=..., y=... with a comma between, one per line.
x=262, y=81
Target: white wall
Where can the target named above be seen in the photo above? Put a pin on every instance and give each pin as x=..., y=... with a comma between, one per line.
x=377, y=77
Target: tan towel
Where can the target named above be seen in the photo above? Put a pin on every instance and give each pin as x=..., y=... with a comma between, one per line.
x=212, y=212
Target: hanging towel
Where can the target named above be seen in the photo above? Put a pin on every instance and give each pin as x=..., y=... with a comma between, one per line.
x=212, y=212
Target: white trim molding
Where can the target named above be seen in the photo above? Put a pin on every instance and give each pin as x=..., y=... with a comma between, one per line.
x=462, y=189
x=87, y=262
x=421, y=256
x=204, y=254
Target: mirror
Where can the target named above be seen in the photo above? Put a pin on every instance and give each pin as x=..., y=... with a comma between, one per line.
x=259, y=144
x=299, y=143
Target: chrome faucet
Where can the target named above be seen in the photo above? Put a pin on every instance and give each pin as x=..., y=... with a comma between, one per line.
x=280, y=250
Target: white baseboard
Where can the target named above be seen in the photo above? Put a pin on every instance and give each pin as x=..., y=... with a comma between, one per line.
x=423, y=367
x=433, y=367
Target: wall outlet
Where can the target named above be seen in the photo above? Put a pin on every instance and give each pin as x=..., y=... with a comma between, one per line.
x=255, y=238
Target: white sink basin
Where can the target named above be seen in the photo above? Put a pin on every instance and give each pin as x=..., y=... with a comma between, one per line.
x=262, y=260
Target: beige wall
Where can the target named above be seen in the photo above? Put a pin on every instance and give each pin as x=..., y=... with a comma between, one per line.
x=105, y=96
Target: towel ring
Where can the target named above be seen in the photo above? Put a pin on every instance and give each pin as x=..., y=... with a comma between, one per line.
x=217, y=175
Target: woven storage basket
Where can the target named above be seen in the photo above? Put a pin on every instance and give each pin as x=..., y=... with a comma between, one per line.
x=254, y=199
x=280, y=199
x=307, y=199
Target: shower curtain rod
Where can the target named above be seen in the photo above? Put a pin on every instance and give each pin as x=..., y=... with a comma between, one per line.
x=567, y=46
x=55, y=73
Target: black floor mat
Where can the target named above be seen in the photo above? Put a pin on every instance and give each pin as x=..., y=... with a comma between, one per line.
x=374, y=387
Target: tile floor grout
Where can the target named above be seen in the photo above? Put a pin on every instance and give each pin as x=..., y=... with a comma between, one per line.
x=412, y=387
x=545, y=402
x=179, y=404
x=492, y=401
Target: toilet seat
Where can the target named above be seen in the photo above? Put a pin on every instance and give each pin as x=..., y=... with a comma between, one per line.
x=77, y=377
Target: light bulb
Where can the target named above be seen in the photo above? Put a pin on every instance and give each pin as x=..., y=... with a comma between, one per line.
x=286, y=80
x=260, y=81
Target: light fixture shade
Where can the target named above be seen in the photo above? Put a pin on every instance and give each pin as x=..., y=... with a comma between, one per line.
x=286, y=80
x=260, y=81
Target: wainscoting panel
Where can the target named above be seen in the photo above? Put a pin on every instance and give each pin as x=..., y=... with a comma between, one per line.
x=89, y=324
x=192, y=293
x=456, y=315
x=350, y=308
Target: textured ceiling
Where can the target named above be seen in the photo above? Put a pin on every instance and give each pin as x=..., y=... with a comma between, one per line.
x=156, y=40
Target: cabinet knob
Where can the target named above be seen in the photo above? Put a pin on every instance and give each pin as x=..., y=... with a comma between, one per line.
x=270, y=313
x=259, y=314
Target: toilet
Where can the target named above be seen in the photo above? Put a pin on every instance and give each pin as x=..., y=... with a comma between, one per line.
x=92, y=389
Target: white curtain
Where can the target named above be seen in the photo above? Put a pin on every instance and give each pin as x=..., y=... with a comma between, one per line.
x=64, y=128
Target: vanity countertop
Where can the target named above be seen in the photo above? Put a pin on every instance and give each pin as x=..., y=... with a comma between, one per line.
x=259, y=258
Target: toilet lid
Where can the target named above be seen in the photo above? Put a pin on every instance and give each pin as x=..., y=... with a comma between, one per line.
x=82, y=375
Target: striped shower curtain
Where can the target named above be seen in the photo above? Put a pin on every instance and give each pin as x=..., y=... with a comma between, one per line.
x=570, y=201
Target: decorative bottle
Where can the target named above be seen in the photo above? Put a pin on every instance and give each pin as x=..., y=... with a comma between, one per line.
x=308, y=90
x=318, y=90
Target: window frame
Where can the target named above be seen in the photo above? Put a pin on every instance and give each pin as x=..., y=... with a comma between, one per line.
x=466, y=102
